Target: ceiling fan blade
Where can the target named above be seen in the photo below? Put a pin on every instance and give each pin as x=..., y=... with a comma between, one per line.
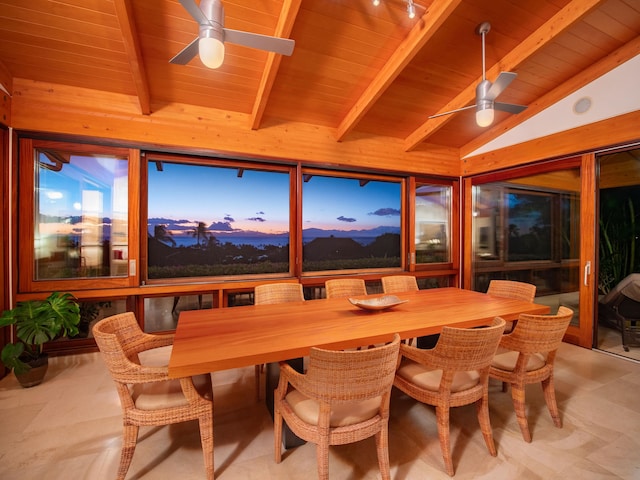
x=502, y=82
x=509, y=107
x=187, y=53
x=193, y=9
x=453, y=111
x=283, y=46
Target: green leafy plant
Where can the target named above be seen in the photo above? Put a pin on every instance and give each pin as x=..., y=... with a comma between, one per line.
x=619, y=237
x=38, y=322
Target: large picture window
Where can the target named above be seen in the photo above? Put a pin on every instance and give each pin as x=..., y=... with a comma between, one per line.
x=211, y=218
x=350, y=222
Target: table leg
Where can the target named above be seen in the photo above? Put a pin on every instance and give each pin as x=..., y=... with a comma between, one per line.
x=289, y=439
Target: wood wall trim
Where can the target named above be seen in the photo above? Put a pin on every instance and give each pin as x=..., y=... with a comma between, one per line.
x=5, y=99
x=606, y=133
x=44, y=107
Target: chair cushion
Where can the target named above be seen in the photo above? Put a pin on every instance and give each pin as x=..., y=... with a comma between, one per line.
x=429, y=379
x=342, y=414
x=152, y=396
x=156, y=357
x=507, y=361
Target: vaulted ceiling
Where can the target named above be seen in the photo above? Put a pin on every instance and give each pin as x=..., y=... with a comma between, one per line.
x=356, y=68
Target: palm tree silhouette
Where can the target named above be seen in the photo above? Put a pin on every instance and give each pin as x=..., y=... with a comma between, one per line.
x=200, y=233
x=161, y=234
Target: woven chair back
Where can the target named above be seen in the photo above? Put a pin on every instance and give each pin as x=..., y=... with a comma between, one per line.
x=120, y=340
x=399, y=283
x=272, y=293
x=539, y=333
x=344, y=376
x=512, y=289
x=345, y=287
x=465, y=349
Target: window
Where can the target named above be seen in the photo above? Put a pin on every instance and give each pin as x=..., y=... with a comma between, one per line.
x=433, y=213
x=80, y=224
x=208, y=218
x=350, y=222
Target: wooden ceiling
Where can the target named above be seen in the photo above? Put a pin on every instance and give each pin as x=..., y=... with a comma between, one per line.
x=358, y=69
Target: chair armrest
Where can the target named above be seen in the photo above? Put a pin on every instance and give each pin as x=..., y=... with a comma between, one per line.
x=419, y=355
x=152, y=340
x=289, y=376
x=132, y=373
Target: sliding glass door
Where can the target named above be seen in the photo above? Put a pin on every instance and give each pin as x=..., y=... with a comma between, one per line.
x=531, y=225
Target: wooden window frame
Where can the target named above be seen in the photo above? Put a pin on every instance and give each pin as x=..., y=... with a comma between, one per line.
x=26, y=218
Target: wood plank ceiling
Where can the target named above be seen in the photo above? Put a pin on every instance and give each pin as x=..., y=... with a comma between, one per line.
x=359, y=69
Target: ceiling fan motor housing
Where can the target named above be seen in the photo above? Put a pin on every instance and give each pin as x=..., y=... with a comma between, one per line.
x=214, y=11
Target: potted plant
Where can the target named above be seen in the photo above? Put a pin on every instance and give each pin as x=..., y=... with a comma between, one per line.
x=37, y=322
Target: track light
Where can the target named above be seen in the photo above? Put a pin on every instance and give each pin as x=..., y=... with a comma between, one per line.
x=411, y=9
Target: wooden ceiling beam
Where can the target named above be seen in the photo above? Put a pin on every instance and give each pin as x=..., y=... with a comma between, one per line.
x=418, y=37
x=287, y=18
x=598, y=69
x=562, y=20
x=134, y=53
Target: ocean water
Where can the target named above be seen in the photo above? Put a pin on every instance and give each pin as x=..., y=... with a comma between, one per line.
x=259, y=242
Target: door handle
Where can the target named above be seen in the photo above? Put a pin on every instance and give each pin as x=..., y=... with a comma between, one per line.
x=587, y=272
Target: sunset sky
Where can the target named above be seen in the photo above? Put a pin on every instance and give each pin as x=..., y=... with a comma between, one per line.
x=260, y=200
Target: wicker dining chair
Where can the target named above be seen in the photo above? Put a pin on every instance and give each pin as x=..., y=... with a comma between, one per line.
x=345, y=287
x=147, y=395
x=342, y=398
x=399, y=283
x=453, y=373
x=527, y=355
x=404, y=283
x=273, y=293
x=512, y=289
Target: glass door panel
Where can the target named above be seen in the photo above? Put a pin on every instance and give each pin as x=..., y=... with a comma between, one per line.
x=526, y=227
x=618, y=325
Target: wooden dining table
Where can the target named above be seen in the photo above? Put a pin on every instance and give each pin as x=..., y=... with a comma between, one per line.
x=210, y=340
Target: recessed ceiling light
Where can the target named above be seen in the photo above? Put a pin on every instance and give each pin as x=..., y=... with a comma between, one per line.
x=582, y=105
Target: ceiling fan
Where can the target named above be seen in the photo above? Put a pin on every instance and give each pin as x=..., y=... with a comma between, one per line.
x=487, y=92
x=212, y=35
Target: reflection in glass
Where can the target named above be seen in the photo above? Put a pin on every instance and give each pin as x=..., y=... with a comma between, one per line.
x=81, y=215
x=433, y=223
x=529, y=226
x=528, y=229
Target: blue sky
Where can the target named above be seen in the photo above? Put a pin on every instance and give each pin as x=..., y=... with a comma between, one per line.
x=257, y=201
x=260, y=200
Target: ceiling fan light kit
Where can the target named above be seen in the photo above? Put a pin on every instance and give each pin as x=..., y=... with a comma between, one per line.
x=487, y=92
x=212, y=35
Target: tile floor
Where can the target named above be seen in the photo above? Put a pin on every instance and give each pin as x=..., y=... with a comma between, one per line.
x=69, y=427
